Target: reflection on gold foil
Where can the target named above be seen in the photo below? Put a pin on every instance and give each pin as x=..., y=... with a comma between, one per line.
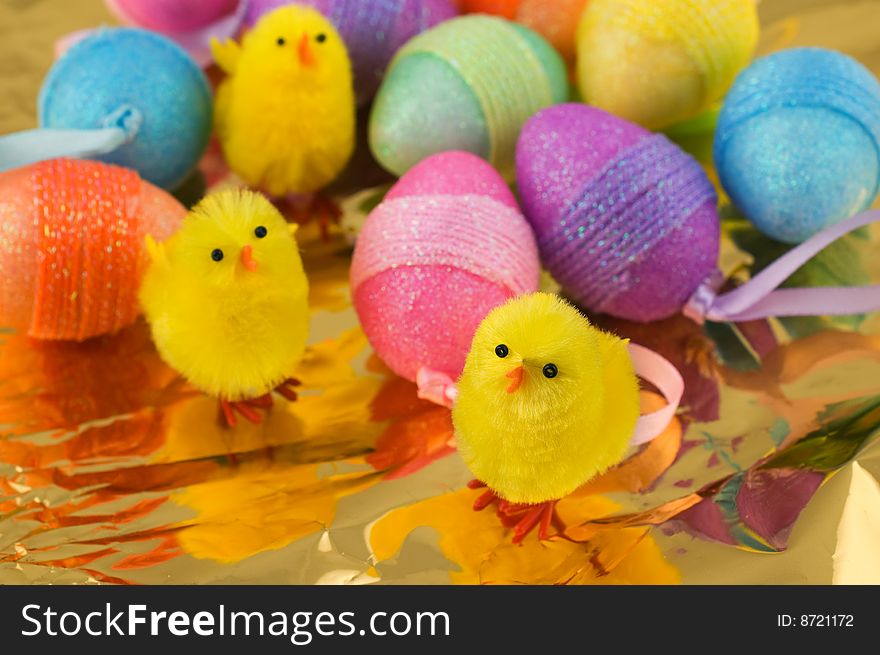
x=482, y=552
x=261, y=508
x=481, y=546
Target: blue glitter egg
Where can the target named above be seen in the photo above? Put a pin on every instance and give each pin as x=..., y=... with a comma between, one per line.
x=123, y=69
x=797, y=146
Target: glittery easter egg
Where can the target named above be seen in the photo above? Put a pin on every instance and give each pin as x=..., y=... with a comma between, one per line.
x=505, y=8
x=171, y=16
x=657, y=63
x=373, y=30
x=555, y=20
x=468, y=84
x=72, y=246
x=125, y=68
x=797, y=145
x=625, y=220
x=190, y=24
x=446, y=245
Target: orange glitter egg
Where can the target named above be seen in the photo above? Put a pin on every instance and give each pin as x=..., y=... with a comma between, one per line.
x=555, y=20
x=505, y=8
x=72, y=246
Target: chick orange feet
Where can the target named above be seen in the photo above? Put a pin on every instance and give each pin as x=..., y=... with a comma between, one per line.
x=319, y=207
x=249, y=408
x=288, y=389
x=522, y=518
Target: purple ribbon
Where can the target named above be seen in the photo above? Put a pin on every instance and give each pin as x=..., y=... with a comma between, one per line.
x=761, y=296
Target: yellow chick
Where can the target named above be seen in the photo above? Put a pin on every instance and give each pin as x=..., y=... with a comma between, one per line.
x=545, y=402
x=285, y=115
x=226, y=298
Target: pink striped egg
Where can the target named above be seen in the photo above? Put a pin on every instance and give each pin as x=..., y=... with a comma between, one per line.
x=446, y=245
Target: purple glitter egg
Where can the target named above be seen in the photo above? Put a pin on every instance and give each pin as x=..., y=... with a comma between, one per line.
x=626, y=221
x=373, y=30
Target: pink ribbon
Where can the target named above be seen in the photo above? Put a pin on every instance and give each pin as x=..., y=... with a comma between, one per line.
x=656, y=369
x=761, y=296
x=440, y=389
x=437, y=387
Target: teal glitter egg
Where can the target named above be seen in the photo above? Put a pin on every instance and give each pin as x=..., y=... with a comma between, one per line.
x=132, y=70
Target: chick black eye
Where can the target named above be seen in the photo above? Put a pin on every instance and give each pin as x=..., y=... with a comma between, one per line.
x=280, y=40
x=321, y=38
x=550, y=371
x=217, y=255
x=260, y=232
x=502, y=351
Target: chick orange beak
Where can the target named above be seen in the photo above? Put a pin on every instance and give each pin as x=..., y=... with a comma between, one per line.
x=247, y=258
x=306, y=55
x=516, y=378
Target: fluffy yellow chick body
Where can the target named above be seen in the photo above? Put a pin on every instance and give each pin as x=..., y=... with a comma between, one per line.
x=227, y=297
x=546, y=401
x=285, y=115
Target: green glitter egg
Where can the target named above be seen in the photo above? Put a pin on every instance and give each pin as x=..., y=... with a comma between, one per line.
x=468, y=84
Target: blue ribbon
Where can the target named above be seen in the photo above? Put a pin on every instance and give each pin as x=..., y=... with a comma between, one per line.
x=31, y=146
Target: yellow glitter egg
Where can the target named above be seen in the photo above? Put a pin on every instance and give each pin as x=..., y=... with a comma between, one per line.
x=657, y=63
